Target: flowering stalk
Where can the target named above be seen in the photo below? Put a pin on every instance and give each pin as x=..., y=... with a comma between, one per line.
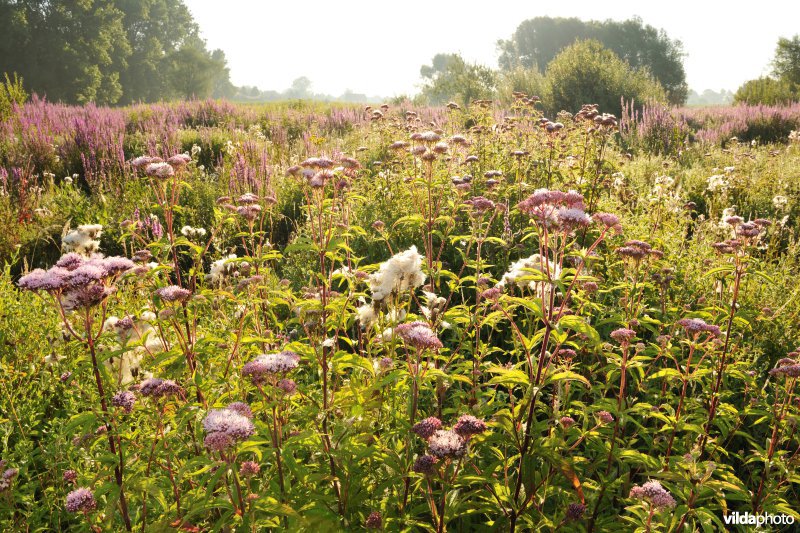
x=791, y=369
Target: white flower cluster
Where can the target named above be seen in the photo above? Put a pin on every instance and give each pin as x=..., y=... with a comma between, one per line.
x=522, y=270
x=780, y=202
x=717, y=183
x=221, y=269
x=84, y=240
x=127, y=366
x=193, y=233
x=403, y=271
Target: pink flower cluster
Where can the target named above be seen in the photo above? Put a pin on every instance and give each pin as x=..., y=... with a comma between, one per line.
x=419, y=335
x=557, y=210
x=78, y=281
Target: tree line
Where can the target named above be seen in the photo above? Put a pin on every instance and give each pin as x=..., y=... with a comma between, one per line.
x=568, y=62
x=110, y=51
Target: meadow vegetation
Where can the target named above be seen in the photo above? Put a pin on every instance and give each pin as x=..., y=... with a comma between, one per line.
x=309, y=317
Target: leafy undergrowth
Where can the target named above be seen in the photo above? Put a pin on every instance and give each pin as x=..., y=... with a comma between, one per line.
x=411, y=320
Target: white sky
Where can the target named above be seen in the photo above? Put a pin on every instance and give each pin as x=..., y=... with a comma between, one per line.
x=377, y=47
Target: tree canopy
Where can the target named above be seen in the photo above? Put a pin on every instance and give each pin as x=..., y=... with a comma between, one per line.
x=784, y=84
x=109, y=51
x=450, y=77
x=537, y=41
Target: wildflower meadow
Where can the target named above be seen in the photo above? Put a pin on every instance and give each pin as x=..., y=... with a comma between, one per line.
x=326, y=317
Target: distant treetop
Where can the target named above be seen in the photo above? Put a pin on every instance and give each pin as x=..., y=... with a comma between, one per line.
x=537, y=41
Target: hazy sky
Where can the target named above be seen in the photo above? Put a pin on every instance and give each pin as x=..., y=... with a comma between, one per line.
x=377, y=47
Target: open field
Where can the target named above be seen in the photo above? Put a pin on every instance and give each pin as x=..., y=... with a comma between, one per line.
x=303, y=317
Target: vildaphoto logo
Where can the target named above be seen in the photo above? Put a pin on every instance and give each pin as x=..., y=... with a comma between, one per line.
x=758, y=519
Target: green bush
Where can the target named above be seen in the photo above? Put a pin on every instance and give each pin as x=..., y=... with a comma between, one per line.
x=11, y=93
x=588, y=73
x=767, y=91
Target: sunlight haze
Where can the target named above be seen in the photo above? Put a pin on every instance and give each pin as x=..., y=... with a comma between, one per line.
x=377, y=48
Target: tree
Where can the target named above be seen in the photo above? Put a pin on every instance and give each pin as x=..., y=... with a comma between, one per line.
x=449, y=77
x=786, y=65
x=109, y=51
x=588, y=73
x=68, y=50
x=537, y=41
x=784, y=86
x=300, y=89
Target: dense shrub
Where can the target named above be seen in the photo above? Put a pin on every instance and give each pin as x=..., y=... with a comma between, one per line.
x=587, y=72
x=766, y=91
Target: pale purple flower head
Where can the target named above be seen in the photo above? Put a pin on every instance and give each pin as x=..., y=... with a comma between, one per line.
x=81, y=500
x=124, y=400
x=425, y=464
x=249, y=212
x=70, y=261
x=572, y=218
x=653, y=492
x=218, y=442
x=695, y=326
x=270, y=364
x=605, y=417
x=249, y=469
x=159, y=170
x=230, y=423
x=144, y=160
x=241, y=408
x=426, y=428
x=173, y=293
x=468, y=425
x=247, y=198
x=444, y=443
x=567, y=421
x=609, y=220
x=159, y=388
x=70, y=476
x=480, y=204
x=179, y=160
x=419, y=335
x=288, y=386
x=623, y=336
